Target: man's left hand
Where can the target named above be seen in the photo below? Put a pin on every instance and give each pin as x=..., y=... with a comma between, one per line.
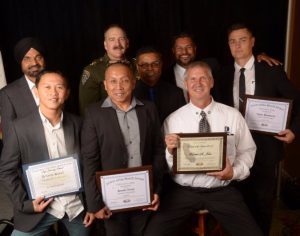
x=88, y=219
x=286, y=136
x=154, y=204
x=271, y=61
x=225, y=174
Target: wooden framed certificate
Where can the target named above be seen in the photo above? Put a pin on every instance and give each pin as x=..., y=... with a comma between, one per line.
x=126, y=189
x=200, y=152
x=54, y=177
x=267, y=115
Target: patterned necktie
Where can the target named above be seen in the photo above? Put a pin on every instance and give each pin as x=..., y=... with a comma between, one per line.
x=242, y=89
x=203, y=124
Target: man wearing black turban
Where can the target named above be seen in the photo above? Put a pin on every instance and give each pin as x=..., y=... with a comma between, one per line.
x=18, y=99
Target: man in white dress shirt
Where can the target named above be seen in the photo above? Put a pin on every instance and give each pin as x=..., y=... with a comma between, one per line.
x=212, y=191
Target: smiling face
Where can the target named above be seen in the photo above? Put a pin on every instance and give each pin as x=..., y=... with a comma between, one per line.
x=184, y=51
x=149, y=66
x=32, y=63
x=241, y=43
x=199, y=82
x=119, y=84
x=115, y=43
x=52, y=92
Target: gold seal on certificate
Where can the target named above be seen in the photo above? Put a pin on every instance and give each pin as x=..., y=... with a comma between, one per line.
x=267, y=115
x=54, y=177
x=200, y=152
x=126, y=189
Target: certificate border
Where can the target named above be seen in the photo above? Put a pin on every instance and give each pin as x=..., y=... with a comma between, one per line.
x=199, y=135
x=124, y=171
x=25, y=167
x=288, y=120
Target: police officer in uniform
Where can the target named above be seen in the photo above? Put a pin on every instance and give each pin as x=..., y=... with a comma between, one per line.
x=91, y=87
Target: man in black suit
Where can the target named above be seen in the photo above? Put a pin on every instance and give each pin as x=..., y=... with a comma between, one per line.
x=17, y=99
x=118, y=133
x=46, y=133
x=184, y=50
x=261, y=80
x=150, y=86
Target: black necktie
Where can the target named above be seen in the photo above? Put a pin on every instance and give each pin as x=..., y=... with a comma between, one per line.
x=203, y=124
x=242, y=88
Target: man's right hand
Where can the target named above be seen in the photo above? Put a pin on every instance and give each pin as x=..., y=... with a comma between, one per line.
x=171, y=142
x=39, y=204
x=103, y=214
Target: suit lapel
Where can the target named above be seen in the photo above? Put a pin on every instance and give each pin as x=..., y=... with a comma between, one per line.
x=69, y=134
x=258, y=81
x=26, y=95
x=142, y=118
x=39, y=135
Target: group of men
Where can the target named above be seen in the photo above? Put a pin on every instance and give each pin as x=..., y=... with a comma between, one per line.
x=122, y=129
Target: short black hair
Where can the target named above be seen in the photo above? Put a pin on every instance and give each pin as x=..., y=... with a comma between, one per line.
x=238, y=26
x=45, y=71
x=147, y=49
x=125, y=64
x=183, y=35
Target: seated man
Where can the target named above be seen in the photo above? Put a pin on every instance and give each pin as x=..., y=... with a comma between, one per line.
x=44, y=134
x=211, y=191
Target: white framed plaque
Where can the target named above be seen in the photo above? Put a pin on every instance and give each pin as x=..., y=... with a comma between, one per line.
x=126, y=189
x=54, y=177
x=200, y=152
x=267, y=115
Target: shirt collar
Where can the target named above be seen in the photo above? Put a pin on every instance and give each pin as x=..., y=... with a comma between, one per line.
x=179, y=69
x=109, y=103
x=29, y=82
x=48, y=123
x=248, y=66
x=208, y=109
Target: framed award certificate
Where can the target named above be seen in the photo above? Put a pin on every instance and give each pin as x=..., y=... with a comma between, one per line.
x=200, y=152
x=54, y=177
x=267, y=115
x=126, y=189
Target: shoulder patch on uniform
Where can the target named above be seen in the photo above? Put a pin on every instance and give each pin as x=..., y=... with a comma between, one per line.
x=85, y=76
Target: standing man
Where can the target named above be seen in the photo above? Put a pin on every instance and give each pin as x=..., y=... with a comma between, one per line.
x=261, y=80
x=211, y=191
x=91, y=88
x=184, y=50
x=130, y=138
x=44, y=134
x=167, y=97
x=18, y=99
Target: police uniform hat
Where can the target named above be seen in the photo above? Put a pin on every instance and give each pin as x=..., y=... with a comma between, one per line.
x=24, y=45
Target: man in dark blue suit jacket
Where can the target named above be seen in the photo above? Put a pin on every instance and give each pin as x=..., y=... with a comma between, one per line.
x=151, y=86
x=118, y=133
x=260, y=80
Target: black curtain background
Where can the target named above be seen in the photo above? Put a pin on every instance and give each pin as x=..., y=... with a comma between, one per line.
x=72, y=31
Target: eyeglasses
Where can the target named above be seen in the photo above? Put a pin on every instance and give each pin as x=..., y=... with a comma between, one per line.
x=154, y=64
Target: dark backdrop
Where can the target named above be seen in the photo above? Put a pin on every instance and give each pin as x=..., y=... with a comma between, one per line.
x=72, y=31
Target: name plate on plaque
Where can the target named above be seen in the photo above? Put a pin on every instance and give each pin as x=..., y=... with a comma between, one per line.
x=200, y=152
x=126, y=189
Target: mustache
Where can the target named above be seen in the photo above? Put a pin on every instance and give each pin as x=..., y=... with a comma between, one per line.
x=37, y=66
x=118, y=47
